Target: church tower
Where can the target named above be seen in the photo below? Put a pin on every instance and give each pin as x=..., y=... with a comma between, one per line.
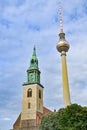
x=63, y=47
x=32, y=102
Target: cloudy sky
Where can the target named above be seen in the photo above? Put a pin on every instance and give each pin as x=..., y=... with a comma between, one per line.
x=25, y=23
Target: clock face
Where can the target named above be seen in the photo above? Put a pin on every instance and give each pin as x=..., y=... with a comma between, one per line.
x=32, y=78
x=38, y=78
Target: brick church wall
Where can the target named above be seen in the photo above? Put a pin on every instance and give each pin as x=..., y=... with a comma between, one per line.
x=27, y=125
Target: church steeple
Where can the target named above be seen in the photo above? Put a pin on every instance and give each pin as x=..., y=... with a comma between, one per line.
x=34, y=60
x=32, y=102
x=33, y=73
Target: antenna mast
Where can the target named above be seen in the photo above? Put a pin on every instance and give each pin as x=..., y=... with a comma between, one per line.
x=63, y=47
x=60, y=16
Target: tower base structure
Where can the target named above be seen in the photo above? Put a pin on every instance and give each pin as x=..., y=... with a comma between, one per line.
x=30, y=124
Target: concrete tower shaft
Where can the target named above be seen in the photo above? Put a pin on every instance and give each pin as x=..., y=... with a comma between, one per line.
x=63, y=47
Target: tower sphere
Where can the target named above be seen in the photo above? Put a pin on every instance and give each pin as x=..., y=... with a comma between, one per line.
x=62, y=45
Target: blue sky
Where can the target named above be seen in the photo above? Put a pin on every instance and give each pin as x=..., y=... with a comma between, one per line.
x=25, y=23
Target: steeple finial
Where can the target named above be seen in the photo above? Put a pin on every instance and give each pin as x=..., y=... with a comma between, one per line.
x=34, y=51
x=60, y=16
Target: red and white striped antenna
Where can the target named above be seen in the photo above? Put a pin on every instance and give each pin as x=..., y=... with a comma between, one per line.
x=60, y=16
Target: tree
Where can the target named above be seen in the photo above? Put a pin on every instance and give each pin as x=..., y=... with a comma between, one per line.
x=74, y=117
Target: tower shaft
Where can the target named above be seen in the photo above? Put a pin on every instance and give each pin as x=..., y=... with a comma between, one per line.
x=63, y=47
x=66, y=93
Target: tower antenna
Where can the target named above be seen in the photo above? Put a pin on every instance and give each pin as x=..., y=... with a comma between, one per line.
x=60, y=16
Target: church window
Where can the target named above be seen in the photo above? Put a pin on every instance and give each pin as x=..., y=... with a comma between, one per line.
x=32, y=61
x=29, y=93
x=40, y=94
x=29, y=105
x=39, y=105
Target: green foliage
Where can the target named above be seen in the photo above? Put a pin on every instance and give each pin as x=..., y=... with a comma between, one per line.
x=49, y=122
x=74, y=117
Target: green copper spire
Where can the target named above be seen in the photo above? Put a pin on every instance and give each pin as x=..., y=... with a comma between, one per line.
x=33, y=73
x=34, y=60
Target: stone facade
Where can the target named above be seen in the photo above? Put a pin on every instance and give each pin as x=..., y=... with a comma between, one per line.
x=32, y=124
x=36, y=103
x=29, y=128
x=25, y=124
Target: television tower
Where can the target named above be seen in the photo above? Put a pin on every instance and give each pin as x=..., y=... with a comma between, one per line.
x=63, y=47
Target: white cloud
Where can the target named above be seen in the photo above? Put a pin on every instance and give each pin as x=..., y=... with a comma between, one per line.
x=29, y=23
x=6, y=119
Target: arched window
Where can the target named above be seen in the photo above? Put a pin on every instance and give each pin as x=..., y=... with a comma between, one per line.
x=29, y=92
x=32, y=61
x=40, y=94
